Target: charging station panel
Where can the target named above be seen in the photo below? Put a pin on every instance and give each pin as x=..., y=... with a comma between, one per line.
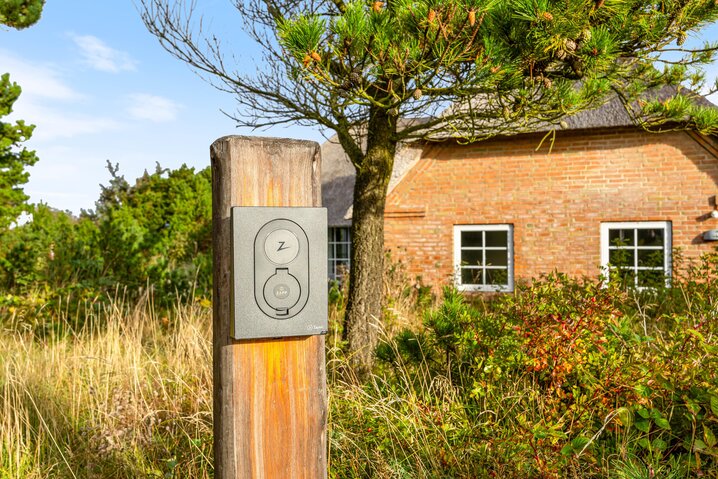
x=279, y=272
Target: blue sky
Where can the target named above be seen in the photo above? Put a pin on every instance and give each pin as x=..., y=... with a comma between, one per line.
x=99, y=87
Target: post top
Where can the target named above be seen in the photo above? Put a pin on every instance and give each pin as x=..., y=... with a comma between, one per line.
x=266, y=140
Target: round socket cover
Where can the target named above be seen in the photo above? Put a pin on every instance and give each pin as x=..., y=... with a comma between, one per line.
x=282, y=291
x=281, y=246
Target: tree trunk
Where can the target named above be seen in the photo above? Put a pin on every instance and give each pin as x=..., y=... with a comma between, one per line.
x=365, y=303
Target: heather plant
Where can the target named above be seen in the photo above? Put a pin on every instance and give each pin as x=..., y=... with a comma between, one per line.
x=565, y=378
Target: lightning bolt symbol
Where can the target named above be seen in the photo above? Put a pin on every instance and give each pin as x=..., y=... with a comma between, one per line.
x=281, y=246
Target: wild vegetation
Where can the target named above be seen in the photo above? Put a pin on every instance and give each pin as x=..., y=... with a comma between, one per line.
x=154, y=235
x=563, y=379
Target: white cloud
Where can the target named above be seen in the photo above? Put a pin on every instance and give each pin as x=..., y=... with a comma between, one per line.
x=37, y=80
x=49, y=102
x=98, y=55
x=53, y=123
x=153, y=108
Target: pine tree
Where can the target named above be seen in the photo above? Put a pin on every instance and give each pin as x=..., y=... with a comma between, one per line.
x=469, y=68
x=13, y=157
x=20, y=13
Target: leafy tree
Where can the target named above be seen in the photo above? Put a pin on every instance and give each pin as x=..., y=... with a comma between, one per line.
x=158, y=231
x=468, y=68
x=53, y=249
x=20, y=13
x=154, y=233
x=13, y=158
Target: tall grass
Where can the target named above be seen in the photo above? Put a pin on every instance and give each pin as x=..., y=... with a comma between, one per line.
x=129, y=396
x=563, y=379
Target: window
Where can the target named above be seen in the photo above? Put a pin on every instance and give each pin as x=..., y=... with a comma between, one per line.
x=638, y=254
x=483, y=257
x=338, y=254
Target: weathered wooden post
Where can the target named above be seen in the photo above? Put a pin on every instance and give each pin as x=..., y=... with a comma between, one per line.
x=270, y=408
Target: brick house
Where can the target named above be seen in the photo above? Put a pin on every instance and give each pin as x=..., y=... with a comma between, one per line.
x=486, y=214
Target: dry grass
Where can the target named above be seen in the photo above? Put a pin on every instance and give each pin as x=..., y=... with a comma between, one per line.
x=128, y=396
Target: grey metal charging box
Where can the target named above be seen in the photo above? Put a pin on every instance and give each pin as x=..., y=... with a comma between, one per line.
x=279, y=272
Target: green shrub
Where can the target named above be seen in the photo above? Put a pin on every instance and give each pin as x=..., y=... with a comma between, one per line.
x=150, y=237
x=564, y=378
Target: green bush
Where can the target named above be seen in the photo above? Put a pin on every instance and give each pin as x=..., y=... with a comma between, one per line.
x=564, y=378
x=151, y=237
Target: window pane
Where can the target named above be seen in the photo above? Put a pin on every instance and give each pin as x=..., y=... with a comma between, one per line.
x=620, y=237
x=651, y=279
x=484, y=256
x=471, y=257
x=650, y=257
x=471, y=276
x=496, y=238
x=650, y=237
x=621, y=257
x=342, y=250
x=497, y=276
x=497, y=258
x=343, y=234
x=472, y=238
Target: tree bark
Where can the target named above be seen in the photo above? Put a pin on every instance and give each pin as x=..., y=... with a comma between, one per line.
x=365, y=302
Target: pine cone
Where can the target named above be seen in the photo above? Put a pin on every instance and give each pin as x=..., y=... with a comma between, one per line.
x=547, y=16
x=306, y=60
x=355, y=78
x=376, y=6
x=393, y=112
x=417, y=93
x=569, y=45
x=681, y=38
x=431, y=16
x=547, y=83
x=586, y=35
x=561, y=54
x=315, y=56
x=472, y=17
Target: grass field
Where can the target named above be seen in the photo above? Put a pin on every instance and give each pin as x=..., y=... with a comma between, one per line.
x=131, y=398
x=564, y=379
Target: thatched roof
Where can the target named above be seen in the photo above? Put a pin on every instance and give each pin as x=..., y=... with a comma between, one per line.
x=338, y=177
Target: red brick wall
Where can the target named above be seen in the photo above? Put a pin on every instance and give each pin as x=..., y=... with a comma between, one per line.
x=556, y=201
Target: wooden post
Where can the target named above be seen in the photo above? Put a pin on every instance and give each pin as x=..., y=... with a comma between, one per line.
x=270, y=406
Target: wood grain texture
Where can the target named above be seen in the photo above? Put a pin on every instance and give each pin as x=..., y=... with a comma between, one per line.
x=270, y=406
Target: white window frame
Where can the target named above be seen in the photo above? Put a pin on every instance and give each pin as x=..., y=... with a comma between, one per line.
x=332, y=258
x=458, y=229
x=667, y=228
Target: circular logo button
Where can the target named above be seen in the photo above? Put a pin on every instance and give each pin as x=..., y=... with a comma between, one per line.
x=281, y=291
x=281, y=246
